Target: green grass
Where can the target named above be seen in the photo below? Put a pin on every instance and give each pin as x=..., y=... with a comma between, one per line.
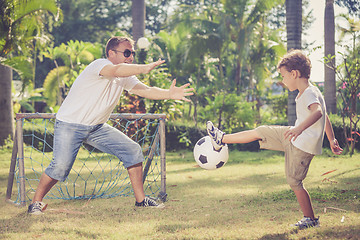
x=248, y=198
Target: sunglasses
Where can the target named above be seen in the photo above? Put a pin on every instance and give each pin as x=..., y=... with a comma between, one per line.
x=126, y=53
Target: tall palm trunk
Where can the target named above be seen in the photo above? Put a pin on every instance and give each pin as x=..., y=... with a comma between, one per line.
x=293, y=30
x=6, y=109
x=330, y=81
x=138, y=18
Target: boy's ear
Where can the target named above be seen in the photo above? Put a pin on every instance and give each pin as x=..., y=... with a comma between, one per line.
x=295, y=73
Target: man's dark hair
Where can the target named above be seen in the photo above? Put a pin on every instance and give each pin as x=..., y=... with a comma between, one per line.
x=113, y=42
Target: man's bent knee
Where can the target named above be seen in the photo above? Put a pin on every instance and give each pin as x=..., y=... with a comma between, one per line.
x=60, y=172
x=135, y=165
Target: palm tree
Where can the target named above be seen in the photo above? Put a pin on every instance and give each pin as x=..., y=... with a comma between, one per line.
x=353, y=6
x=329, y=34
x=348, y=72
x=262, y=61
x=21, y=23
x=194, y=36
x=242, y=18
x=75, y=56
x=6, y=120
x=222, y=35
x=138, y=12
x=293, y=30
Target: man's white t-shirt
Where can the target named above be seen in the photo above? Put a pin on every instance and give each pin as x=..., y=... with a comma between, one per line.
x=311, y=139
x=92, y=97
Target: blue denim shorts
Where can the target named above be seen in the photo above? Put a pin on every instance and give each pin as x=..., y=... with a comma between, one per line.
x=68, y=138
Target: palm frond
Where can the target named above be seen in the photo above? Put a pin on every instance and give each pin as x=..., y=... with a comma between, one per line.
x=22, y=65
x=53, y=81
x=23, y=8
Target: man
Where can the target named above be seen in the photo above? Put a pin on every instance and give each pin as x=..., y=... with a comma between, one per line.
x=83, y=115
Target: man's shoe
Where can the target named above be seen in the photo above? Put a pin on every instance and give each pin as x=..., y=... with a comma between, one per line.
x=216, y=136
x=148, y=202
x=307, y=222
x=37, y=208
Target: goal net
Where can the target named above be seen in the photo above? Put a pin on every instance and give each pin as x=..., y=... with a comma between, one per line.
x=94, y=174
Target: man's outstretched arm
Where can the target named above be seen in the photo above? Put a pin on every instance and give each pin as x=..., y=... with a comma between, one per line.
x=128, y=69
x=155, y=93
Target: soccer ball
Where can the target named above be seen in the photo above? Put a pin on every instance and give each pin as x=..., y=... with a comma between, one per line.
x=206, y=157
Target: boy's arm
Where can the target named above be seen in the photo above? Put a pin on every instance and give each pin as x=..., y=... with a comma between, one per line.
x=316, y=114
x=334, y=145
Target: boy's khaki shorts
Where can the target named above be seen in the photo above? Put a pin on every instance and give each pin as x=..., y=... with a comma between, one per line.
x=296, y=161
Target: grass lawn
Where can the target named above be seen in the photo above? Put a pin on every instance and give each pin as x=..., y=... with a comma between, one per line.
x=248, y=198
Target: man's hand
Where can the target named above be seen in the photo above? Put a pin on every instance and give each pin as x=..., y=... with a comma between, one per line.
x=180, y=93
x=152, y=65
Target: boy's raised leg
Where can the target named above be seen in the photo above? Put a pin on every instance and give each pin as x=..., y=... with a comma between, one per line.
x=216, y=136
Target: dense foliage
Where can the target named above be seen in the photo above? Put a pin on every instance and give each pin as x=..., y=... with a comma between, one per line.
x=227, y=50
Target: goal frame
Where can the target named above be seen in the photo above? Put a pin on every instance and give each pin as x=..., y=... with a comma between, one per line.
x=17, y=156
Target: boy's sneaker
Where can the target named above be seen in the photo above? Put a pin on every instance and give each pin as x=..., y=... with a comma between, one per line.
x=148, y=202
x=307, y=222
x=216, y=136
x=37, y=208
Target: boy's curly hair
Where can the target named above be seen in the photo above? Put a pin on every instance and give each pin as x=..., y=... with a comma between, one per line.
x=296, y=60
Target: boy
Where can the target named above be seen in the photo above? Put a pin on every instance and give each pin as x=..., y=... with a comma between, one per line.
x=300, y=142
x=83, y=115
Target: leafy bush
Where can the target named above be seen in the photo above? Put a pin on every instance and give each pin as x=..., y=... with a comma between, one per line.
x=232, y=110
x=337, y=123
x=180, y=136
x=275, y=110
x=34, y=134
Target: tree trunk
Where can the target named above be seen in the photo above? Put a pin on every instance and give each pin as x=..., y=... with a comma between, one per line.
x=138, y=18
x=330, y=80
x=293, y=30
x=6, y=109
x=238, y=77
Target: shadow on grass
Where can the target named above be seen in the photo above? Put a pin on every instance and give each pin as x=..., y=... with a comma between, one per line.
x=235, y=157
x=200, y=200
x=346, y=172
x=281, y=236
x=17, y=224
x=260, y=181
x=23, y=223
x=172, y=228
x=348, y=232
